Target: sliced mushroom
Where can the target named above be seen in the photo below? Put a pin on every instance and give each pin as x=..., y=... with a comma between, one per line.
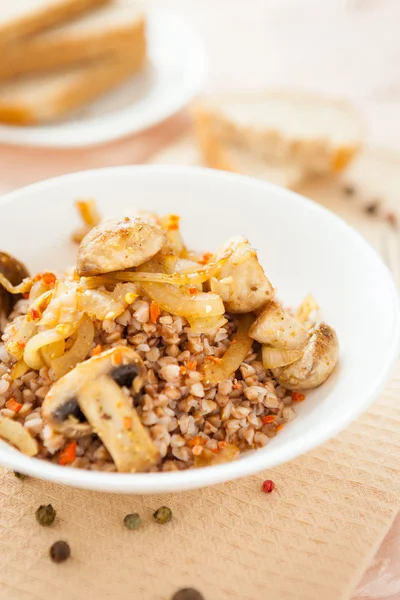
x=277, y=328
x=117, y=245
x=117, y=424
x=92, y=391
x=317, y=363
x=15, y=272
x=61, y=408
x=240, y=280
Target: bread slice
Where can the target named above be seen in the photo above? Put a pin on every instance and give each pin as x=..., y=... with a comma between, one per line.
x=310, y=133
x=34, y=100
x=23, y=17
x=97, y=34
x=229, y=157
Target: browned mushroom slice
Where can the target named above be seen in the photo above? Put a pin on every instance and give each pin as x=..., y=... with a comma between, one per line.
x=316, y=364
x=14, y=271
x=76, y=406
x=61, y=408
x=117, y=245
x=117, y=424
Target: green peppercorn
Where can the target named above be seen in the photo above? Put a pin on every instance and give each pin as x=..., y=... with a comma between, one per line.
x=132, y=521
x=60, y=551
x=163, y=515
x=45, y=515
x=187, y=594
x=20, y=475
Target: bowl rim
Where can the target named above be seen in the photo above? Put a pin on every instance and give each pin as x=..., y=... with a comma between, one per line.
x=254, y=462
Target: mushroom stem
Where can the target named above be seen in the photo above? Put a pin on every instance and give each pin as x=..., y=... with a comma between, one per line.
x=117, y=424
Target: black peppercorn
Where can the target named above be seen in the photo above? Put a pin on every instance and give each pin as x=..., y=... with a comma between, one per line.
x=187, y=594
x=60, y=551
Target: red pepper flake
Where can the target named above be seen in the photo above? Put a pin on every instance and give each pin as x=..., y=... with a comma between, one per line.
x=194, y=441
x=68, y=454
x=49, y=279
x=233, y=342
x=191, y=364
x=97, y=350
x=205, y=259
x=268, y=486
x=221, y=444
x=32, y=315
x=117, y=358
x=214, y=450
x=26, y=296
x=268, y=419
x=237, y=386
x=279, y=427
x=128, y=423
x=155, y=311
x=298, y=397
x=197, y=441
x=193, y=291
x=214, y=359
x=21, y=345
x=12, y=404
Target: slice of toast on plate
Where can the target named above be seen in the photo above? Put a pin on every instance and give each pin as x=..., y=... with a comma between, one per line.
x=19, y=18
x=96, y=34
x=46, y=98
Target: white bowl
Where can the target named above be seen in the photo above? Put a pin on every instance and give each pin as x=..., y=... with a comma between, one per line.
x=303, y=248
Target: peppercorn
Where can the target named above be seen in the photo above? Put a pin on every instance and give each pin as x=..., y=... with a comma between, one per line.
x=187, y=594
x=20, y=475
x=132, y=521
x=373, y=207
x=349, y=190
x=268, y=486
x=163, y=515
x=60, y=551
x=45, y=515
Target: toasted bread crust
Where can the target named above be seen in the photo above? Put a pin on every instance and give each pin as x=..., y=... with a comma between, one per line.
x=88, y=84
x=42, y=53
x=42, y=19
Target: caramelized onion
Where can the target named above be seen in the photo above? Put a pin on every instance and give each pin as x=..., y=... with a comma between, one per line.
x=234, y=356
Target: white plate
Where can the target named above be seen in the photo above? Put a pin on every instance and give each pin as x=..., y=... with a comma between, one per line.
x=303, y=248
x=174, y=75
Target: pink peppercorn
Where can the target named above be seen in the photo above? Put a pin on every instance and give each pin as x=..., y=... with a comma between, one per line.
x=268, y=486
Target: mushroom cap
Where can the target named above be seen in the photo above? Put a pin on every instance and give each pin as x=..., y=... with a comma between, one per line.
x=94, y=389
x=118, y=244
x=15, y=271
x=61, y=409
x=317, y=363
